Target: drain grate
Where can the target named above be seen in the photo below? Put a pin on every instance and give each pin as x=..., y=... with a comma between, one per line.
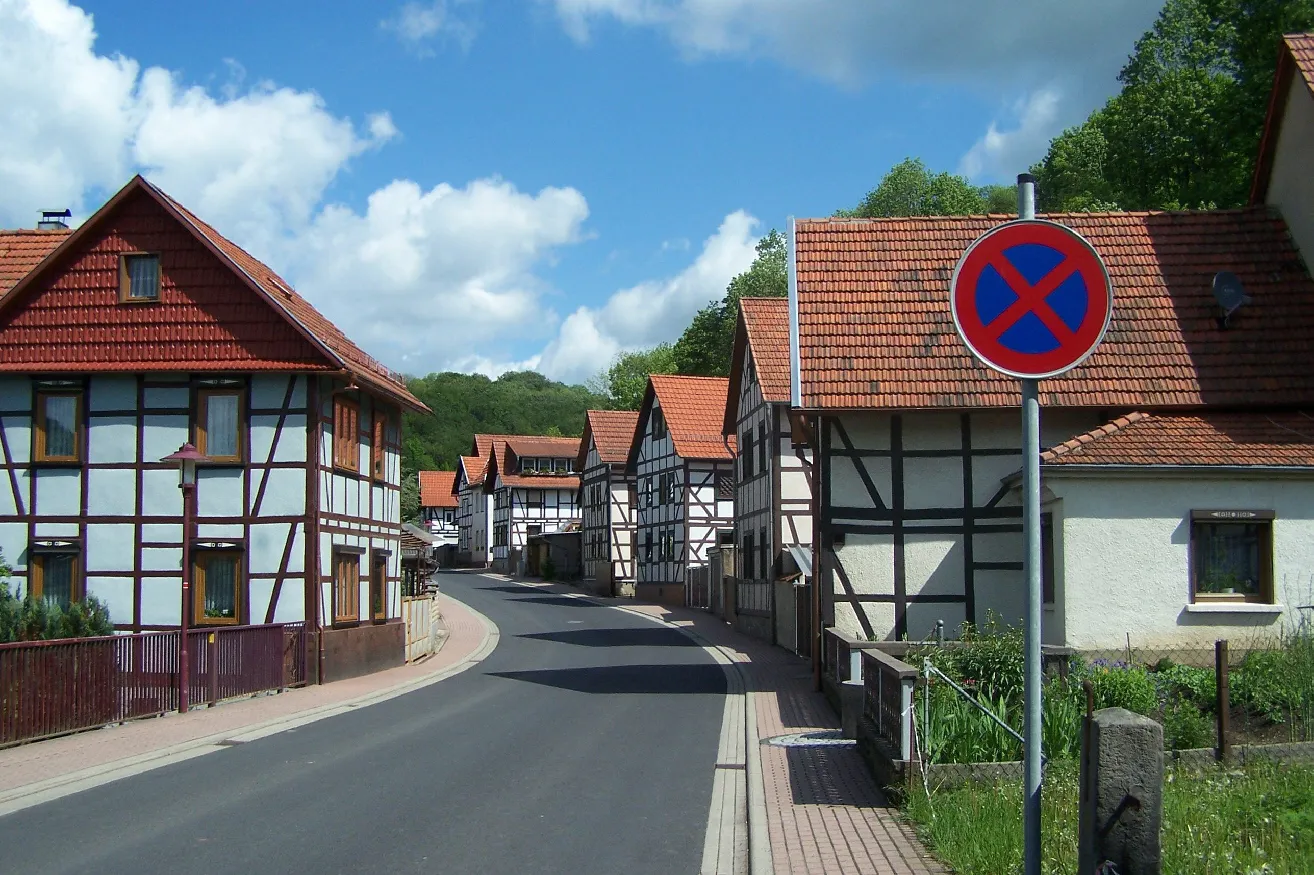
x=819, y=738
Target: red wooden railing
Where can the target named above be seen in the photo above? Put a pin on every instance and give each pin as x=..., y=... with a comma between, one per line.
x=54, y=687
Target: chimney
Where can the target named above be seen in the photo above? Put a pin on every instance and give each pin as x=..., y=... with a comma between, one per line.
x=54, y=220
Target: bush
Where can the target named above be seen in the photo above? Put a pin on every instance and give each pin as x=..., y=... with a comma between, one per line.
x=1278, y=685
x=31, y=619
x=1118, y=685
x=1187, y=683
x=1185, y=728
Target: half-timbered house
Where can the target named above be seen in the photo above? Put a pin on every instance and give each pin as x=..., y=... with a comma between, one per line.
x=773, y=490
x=471, y=547
x=684, y=470
x=534, y=491
x=916, y=440
x=143, y=330
x=608, y=496
x=439, y=504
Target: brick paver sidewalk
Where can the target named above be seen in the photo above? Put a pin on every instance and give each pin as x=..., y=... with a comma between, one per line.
x=825, y=813
x=43, y=762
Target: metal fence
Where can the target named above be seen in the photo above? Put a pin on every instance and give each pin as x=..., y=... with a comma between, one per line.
x=51, y=688
x=753, y=597
x=698, y=588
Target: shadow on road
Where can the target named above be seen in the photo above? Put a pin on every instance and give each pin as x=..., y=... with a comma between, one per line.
x=651, y=679
x=557, y=601
x=650, y=637
x=515, y=590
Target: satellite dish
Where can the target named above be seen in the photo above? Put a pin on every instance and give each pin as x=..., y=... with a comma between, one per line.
x=1230, y=295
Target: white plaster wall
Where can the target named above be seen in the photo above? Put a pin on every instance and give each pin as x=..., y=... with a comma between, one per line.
x=285, y=491
x=179, y=397
x=109, y=547
x=112, y=492
x=268, y=390
x=13, y=545
x=18, y=433
x=112, y=392
x=161, y=558
x=161, y=601
x=58, y=492
x=1291, y=184
x=163, y=435
x=218, y=492
x=15, y=394
x=116, y=593
x=111, y=439
x=1125, y=549
x=265, y=550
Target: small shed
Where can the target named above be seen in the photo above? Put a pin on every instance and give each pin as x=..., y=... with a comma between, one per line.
x=558, y=552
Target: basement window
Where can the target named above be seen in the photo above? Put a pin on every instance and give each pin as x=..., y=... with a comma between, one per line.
x=139, y=277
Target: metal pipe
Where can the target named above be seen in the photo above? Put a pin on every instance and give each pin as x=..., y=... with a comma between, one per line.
x=189, y=497
x=1031, y=752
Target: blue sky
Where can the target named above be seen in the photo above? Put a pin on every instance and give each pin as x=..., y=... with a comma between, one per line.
x=485, y=184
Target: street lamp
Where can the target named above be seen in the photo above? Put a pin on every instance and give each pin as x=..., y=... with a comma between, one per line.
x=186, y=459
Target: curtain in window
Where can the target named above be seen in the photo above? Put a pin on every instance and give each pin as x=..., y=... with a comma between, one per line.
x=142, y=277
x=61, y=423
x=221, y=425
x=57, y=578
x=221, y=587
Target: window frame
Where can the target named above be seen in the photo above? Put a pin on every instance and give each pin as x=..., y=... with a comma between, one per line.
x=200, y=432
x=749, y=555
x=659, y=429
x=378, y=586
x=346, y=559
x=39, y=435
x=36, y=571
x=1264, y=520
x=746, y=455
x=125, y=278
x=378, y=449
x=762, y=446
x=199, y=557
x=346, y=438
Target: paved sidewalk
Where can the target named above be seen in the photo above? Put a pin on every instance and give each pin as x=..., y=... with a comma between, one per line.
x=35, y=767
x=825, y=812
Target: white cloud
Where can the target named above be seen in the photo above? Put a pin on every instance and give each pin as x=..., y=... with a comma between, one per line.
x=1001, y=153
x=417, y=24
x=424, y=278
x=1069, y=53
x=653, y=311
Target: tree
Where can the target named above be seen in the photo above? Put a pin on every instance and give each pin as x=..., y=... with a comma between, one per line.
x=704, y=348
x=627, y=378
x=910, y=189
x=1184, y=131
x=410, y=496
x=1000, y=199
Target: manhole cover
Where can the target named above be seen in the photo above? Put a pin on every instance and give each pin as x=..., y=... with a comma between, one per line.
x=820, y=738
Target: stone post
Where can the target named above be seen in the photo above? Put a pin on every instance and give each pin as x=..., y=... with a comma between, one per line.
x=1121, y=806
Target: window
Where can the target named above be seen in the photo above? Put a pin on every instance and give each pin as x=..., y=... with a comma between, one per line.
x=219, y=424
x=725, y=538
x=670, y=545
x=58, y=427
x=378, y=585
x=533, y=531
x=217, y=589
x=761, y=447
x=139, y=278
x=725, y=486
x=672, y=488
x=346, y=435
x=534, y=499
x=1232, y=556
x=746, y=455
x=54, y=578
x=378, y=459
x=748, y=556
x=764, y=554
x=1047, y=557
x=647, y=546
x=658, y=424
x=346, y=587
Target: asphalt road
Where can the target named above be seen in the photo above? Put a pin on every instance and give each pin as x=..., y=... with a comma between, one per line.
x=584, y=744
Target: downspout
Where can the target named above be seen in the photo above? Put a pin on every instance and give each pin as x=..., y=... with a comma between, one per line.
x=791, y=274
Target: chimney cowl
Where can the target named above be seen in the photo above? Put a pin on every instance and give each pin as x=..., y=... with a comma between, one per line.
x=54, y=220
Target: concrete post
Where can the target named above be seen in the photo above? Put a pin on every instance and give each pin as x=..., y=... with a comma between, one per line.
x=851, y=702
x=1121, y=806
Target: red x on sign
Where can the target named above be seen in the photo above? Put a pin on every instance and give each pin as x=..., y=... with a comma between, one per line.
x=1031, y=298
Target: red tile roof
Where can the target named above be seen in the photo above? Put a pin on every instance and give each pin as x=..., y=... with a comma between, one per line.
x=231, y=331
x=1296, y=59
x=474, y=469
x=549, y=447
x=694, y=408
x=612, y=432
x=20, y=251
x=767, y=323
x=538, y=481
x=506, y=450
x=436, y=488
x=1209, y=438
x=875, y=329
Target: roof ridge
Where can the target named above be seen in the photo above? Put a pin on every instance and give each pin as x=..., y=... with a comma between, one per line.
x=1094, y=434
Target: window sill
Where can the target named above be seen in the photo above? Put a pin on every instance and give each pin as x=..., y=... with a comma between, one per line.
x=1234, y=608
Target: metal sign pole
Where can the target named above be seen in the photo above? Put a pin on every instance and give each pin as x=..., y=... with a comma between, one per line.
x=1031, y=765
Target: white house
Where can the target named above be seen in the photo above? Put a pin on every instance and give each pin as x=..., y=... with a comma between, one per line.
x=143, y=330
x=474, y=491
x=1282, y=173
x=608, y=496
x=439, y=504
x=915, y=439
x=773, y=486
x=684, y=467
x=534, y=490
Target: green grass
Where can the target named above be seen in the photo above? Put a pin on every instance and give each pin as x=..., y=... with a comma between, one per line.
x=1259, y=819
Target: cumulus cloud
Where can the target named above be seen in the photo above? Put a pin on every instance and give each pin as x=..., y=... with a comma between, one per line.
x=1000, y=153
x=422, y=277
x=1065, y=53
x=417, y=25
x=650, y=312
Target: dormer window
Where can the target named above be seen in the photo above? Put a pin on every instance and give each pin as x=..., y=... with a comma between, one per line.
x=139, y=277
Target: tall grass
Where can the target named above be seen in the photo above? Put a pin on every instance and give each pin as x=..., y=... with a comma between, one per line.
x=1259, y=819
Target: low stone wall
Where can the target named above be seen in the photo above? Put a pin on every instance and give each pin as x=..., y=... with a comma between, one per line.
x=363, y=649
x=758, y=627
x=662, y=593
